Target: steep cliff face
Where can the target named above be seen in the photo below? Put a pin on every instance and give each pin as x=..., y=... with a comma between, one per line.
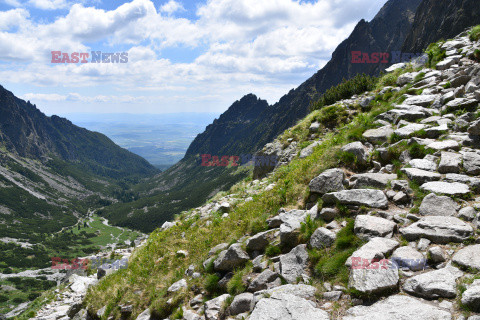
x=437, y=19
x=223, y=135
x=27, y=132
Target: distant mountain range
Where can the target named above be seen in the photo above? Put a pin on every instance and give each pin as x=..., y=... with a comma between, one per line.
x=27, y=132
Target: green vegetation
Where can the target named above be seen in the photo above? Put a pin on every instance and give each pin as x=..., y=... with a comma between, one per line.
x=357, y=85
x=22, y=290
x=330, y=263
x=475, y=34
x=155, y=266
x=435, y=54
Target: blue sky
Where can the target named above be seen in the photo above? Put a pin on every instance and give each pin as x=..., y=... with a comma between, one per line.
x=183, y=56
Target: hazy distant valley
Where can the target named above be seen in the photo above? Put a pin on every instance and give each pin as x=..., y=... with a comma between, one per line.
x=162, y=139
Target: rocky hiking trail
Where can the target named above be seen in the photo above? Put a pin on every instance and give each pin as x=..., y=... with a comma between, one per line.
x=411, y=192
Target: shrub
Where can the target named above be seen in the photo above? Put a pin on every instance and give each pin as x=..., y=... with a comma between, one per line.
x=211, y=284
x=332, y=116
x=308, y=228
x=236, y=285
x=435, y=54
x=272, y=251
x=475, y=34
x=347, y=88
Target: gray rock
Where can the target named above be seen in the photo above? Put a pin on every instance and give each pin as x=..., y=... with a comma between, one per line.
x=409, y=129
x=435, y=284
x=242, y=303
x=450, y=162
x=260, y=241
x=437, y=255
x=359, y=197
x=471, y=163
x=400, y=185
x=145, y=315
x=433, y=205
x=259, y=264
x=286, y=307
x=375, y=250
x=230, y=259
x=322, y=238
x=460, y=81
x=444, y=145
x=300, y=290
x=217, y=248
x=177, y=286
x=374, y=180
x=328, y=214
x=314, y=127
x=307, y=151
x=358, y=150
x=438, y=229
x=332, y=295
x=471, y=297
x=453, y=189
x=421, y=176
x=460, y=103
x=422, y=100
x=468, y=257
x=398, y=307
x=328, y=181
x=408, y=257
x=370, y=226
x=190, y=315
x=379, y=135
x=289, y=232
x=474, y=128
x=445, y=64
x=372, y=280
x=262, y=280
x=401, y=198
x=467, y=213
x=423, y=244
x=406, y=78
x=423, y=164
x=214, y=307
x=294, y=264
x=292, y=216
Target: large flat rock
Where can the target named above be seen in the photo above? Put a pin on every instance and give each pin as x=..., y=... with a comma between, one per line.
x=438, y=229
x=448, y=188
x=374, y=250
x=433, y=205
x=468, y=257
x=373, y=281
x=398, y=307
x=359, y=197
x=371, y=180
x=435, y=284
x=369, y=227
x=282, y=306
x=328, y=181
x=421, y=176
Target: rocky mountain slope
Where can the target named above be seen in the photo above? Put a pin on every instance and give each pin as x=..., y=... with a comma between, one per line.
x=250, y=123
x=375, y=218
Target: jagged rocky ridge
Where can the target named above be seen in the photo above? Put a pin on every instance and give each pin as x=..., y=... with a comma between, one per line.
x=417, y=260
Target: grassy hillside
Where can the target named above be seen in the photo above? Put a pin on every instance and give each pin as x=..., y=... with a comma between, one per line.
x=156, y=266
